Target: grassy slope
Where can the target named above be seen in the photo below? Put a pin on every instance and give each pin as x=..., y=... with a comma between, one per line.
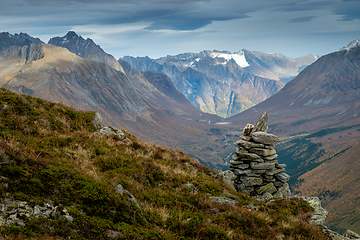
x=56, y=158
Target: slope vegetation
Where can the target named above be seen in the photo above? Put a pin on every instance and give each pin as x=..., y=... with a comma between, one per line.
x=50, y=155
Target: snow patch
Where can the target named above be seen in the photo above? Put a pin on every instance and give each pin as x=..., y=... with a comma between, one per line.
x=239, y=57
x=353, y=44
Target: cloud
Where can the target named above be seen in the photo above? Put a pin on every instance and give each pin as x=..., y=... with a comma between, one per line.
x=348, y=10
x=301, y=19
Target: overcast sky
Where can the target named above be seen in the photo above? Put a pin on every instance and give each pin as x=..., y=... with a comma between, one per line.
x=158, y=28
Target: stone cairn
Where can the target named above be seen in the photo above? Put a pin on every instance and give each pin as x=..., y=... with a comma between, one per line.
x=257, y=171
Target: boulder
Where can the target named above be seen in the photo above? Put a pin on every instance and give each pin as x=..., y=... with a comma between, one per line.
x=112, y=131
x=97, y=121
x=228, y=177
x=265, y=138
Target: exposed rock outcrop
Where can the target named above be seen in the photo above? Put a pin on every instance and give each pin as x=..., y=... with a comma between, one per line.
x=257, y=171
x=17, y=212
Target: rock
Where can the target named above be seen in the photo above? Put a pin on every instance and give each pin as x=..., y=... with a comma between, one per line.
x=262, y=166
x=121, y=190
x=191, y=187
x=257, y=171
x=265, y=138
x=276, y=171
x=284, y=177
x=247, y=145
x=239, y=166
x=251, y=181
x=319, y=214
x=190, y=166
x=224, y=200
x=97, y=121
x=350, y=234
x=4, y=107
x=112, y=234
x=228, y=177
x=280, y=165
x=285, y=191
x=263, y=151
x=244, y=155
x=265, y=197
x=112, y=131
x=261, y=124
x=247, y=129
x=245, y=137
x=268, y=188
x=269, y=158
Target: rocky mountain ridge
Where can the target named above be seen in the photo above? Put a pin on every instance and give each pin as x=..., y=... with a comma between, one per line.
x=214, y=88
x=86, y=49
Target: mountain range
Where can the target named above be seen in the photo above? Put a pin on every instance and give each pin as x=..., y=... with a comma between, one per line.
x=225, y=83
x=316, y=114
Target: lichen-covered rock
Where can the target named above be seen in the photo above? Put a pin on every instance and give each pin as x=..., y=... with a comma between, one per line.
x=97, y=121
x=228, y=177
x=112, y=131
x=319, y=214
x=268, y=188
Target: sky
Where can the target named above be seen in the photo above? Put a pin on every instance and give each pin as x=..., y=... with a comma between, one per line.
x=157, y=28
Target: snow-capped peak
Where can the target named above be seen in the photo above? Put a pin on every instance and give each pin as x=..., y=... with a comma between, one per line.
x=353, y=44
x=238, y=57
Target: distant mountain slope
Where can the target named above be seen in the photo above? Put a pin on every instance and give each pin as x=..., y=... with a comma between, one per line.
x=85, y=48
x=317, y=115
x=64, y=77
x=212, y=81
x=276, y=66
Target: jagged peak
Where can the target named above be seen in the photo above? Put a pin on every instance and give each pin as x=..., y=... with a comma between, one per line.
x=351, y=45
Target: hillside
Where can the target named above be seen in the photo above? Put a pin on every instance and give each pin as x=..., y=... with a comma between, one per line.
x=317, y=117
x=157, y=114
x=103, y=186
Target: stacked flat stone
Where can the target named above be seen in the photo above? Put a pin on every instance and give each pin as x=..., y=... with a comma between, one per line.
x=257, y=171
